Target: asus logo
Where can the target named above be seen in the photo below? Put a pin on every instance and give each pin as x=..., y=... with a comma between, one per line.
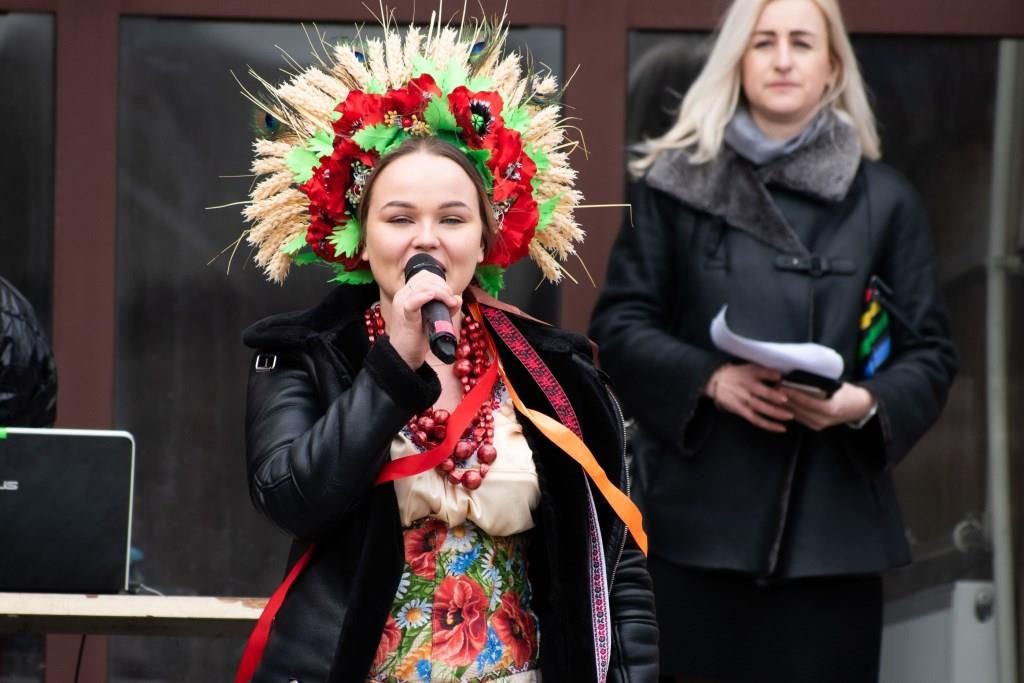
x=8, y=486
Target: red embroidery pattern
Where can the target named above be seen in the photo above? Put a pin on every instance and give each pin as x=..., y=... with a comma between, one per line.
x=541, y=374
x=553, y=391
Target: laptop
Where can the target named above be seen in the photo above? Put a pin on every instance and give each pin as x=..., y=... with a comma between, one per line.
x=65, y=510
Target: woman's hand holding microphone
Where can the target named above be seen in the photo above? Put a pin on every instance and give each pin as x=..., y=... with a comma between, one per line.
x=405, y=326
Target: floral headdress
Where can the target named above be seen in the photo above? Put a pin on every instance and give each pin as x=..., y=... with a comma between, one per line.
x=332, y=122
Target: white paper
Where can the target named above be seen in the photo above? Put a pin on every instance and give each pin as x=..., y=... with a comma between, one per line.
x=809, y=357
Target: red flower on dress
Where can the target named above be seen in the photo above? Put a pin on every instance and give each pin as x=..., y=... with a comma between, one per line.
x=478, y=114
x=460, y=621
x=516, y=629
x=389, y=641
x=421, y=546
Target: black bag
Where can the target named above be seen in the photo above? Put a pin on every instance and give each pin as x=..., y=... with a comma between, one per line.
x=28, y=374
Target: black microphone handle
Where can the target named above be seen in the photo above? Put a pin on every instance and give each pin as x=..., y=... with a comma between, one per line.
x=437, y=325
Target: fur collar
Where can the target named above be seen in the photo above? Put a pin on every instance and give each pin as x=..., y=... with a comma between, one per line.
x=731, y=188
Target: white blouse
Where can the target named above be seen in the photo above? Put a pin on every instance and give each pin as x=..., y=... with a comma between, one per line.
x=503, y=504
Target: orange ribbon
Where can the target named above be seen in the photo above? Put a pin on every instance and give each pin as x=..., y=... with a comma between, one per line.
x=572, y=445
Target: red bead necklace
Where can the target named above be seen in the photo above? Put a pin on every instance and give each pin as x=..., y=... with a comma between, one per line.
x=429, y=428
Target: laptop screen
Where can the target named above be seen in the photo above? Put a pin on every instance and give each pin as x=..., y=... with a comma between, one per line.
x=65, y=506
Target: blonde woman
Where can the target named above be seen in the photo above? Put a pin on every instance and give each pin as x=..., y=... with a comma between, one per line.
x=770, y=509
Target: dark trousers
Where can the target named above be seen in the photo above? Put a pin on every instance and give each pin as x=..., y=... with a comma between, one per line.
x=720, y=627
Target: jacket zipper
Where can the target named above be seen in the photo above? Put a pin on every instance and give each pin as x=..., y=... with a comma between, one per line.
x=629, y=483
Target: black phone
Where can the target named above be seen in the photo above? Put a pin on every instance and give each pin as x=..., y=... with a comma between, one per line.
x=818, y=385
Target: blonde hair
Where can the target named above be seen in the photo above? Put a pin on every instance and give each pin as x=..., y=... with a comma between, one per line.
x=712, y=99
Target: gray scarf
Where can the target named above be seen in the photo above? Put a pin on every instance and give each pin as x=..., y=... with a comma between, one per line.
x=732, y=187
x=744, y=136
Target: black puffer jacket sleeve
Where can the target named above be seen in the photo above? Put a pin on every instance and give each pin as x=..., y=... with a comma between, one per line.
x=660, y=377
x=635, y=629
x=307, y=467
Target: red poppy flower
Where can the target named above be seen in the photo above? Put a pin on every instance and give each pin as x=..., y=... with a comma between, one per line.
x=359, y=110
x=460, y=621
x=330, y=191
x=347, y=151
x=389, y=641
x=326, y=189
x=332, y=180
x=320, y=229
x=517, y=227
x=511, y=167
x=414, y=97
x=421, y=546
x=478, y=114
x=516, y=629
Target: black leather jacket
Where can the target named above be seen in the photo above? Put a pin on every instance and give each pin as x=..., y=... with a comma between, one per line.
x=28, y=374
x=320, y=418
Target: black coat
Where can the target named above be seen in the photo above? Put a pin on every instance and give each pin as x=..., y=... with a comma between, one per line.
x=318, y=429
x=789, y=248
x=28, y=374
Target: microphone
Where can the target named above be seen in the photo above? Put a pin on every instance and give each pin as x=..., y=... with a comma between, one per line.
x=437, y=322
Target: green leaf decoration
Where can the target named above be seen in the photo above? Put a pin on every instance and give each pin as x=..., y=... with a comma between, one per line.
x=379, y=137
x=452, y=137
x=301, y=163
x=517, y=119
x=346, y=239
x=294, y=244
x=455, y=75
x=335, y=115
x=375, y=87
x=305, y=257
x=491, y=279
x=362, y=276
x=480, y=83
x=439, y=117
x=422, y=65
x=545, y=210
x=321, y=144
x=539, y=157
x=479, y=157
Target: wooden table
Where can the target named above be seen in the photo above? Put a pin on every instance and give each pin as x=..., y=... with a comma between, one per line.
x=128, y=614
x=135, y=615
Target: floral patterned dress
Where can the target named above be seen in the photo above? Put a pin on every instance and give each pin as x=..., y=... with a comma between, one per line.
x=462, y=610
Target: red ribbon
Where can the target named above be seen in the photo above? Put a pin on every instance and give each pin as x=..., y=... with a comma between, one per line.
x=457, y=423
x=257, y=642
